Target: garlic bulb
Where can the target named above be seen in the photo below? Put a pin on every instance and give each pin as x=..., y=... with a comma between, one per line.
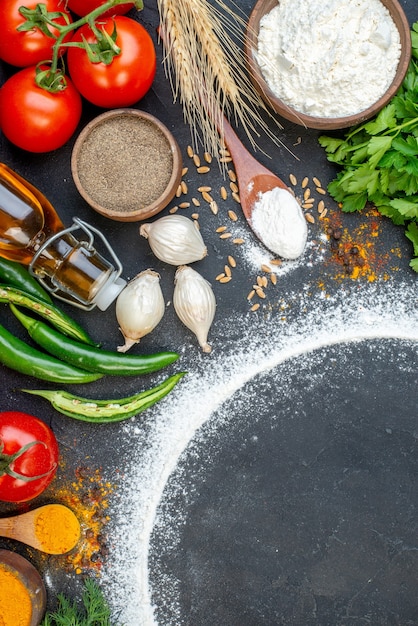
x=175, y=239
x=194, y=303
x=139, y=307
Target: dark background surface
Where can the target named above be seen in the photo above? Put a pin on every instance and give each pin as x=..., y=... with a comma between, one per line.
x=201, y=563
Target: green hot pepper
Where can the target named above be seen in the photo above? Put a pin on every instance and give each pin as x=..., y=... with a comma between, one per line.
x=46, y=310
x=106, y=411
x=91, y=358
x=16, y=275
x=22, y=358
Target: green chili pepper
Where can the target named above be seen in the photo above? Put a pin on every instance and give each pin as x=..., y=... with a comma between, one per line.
x=92, y=358
x=106, y=411
x=52, y=313
x=17, y=275
x=17, y=355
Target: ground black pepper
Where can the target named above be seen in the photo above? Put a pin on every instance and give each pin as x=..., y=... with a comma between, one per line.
x=125, y=164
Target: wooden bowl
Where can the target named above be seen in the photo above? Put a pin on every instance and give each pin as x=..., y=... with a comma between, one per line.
x=126, y=165
x=30, y=578
x=263, y=7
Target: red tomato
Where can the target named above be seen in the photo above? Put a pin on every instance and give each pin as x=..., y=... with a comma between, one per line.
x=82, y=7
x=130, y=74
x=28, y=456
x=35, y=119
x=24, y=48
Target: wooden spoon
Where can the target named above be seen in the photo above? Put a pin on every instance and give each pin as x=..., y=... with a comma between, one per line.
x=253, y=178
x=38, y=528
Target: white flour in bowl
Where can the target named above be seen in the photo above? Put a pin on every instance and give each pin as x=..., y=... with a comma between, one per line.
x=328, y=58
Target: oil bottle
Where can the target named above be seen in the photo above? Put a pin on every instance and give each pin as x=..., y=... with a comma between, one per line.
x=32, y=233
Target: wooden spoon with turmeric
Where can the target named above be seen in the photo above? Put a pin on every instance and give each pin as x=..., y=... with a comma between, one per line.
x=52, y=528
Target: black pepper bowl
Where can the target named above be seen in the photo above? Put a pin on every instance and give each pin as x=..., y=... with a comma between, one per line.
x=263, y=7
x=126, y=165
x=31, y=580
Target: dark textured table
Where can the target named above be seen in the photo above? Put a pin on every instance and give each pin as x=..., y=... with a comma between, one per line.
x=278, y=484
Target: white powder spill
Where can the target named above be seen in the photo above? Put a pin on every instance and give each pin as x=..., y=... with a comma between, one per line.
x=251, y=345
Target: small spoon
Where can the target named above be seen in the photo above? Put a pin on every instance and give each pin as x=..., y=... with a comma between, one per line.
x=37, y=528
x=253, y=178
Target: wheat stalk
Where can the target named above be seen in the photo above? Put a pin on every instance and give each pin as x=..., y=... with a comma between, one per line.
x=206, y=68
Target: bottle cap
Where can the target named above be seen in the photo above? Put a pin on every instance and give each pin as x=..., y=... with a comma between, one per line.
x=109, y=292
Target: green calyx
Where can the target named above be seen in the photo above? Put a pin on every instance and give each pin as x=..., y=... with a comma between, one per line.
x=7, y=460
x=49, y=75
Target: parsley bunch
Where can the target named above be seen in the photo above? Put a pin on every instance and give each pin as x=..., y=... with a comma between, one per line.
x=379, y=158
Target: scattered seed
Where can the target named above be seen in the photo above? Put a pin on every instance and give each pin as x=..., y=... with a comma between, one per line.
x=307, y=205
x=195, y=216
x=321, y=206
x=190, y=151
x=259, y=281
x=232, y=175
x=232, y=262
x=233, y=186
x=225, y=279
x=184, y=205
x=316, y=182
x=323, y=214
x=273, y=278
x=207, y=157
x=174, y=209
x=225, y=159
x=196, y=160
x=224, y=152
x=265, y=268
x=260, y=293
x=195, y=201
x=227, y=270
x=203, y=170
x=214, y=207
x=236, y=197
x=310, y=218
x=255, y=306
x=275, y=262
x=206, y=196
x=226, y=235
x=321, y=191
x=232, y=216
x=238, y=241
x=178, y=191
x=204, y=188
x=306, y=193
x=305, y=182
x=221, y=229
x=219, y=276
x=251, y=294
x=224, y=193
x=293, y=179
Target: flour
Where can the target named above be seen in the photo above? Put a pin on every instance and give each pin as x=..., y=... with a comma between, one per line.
x=383, y=310
x=278, y=220
x=328, y=58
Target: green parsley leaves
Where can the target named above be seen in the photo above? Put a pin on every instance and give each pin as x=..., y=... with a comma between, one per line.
x=379, y=159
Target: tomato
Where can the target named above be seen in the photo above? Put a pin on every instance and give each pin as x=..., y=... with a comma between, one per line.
x=129, y=75
x=35, y=119
x=82, y=7
x=28, y=456
x=24, y=48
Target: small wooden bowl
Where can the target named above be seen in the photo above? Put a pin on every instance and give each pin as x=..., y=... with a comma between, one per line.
x=126, y=165
x=30, y=578
x=261, y=8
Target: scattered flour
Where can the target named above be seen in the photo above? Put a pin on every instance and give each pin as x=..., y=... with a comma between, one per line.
x=328, y=58
x=384, y=310
x=278, y=220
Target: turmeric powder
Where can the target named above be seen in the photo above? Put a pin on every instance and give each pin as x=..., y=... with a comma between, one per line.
x=15, y=600
x=57, y=528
